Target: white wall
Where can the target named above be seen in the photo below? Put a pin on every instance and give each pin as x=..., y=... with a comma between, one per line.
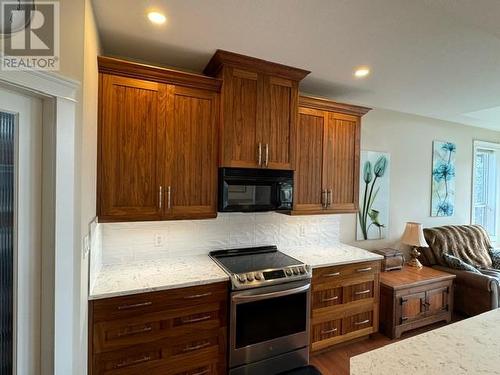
x=408, y=138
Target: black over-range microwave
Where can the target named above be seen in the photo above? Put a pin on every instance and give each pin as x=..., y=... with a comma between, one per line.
x=252, y=190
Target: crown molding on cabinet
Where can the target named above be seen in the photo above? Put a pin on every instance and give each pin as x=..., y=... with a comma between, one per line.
x=329, y=105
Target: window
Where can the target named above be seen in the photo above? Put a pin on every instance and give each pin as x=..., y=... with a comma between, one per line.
x=485, y=196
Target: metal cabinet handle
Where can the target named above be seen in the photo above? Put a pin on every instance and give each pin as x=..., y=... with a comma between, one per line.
x=135, y=362
x=198, y=295
x=331, y=274
x=135, y=331
x=329, y=198
x=201, y=372
x=259, y=151
x=194, y=320
x=363, y=292
x=160, y=199
x=363, y=322
x=330, y=299
x=267, y=155
x=323, y=198
x=196, y=347
x=169, y=197
x=135, y=305
x=364, y=269
x=326, y=331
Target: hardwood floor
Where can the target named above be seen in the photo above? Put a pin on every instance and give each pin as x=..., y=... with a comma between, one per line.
x=336, y=361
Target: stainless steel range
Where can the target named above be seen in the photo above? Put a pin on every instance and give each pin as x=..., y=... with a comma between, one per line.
x=269, y=313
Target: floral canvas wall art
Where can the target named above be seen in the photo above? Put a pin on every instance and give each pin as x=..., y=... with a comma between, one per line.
x=373, y=216
x=443, y=178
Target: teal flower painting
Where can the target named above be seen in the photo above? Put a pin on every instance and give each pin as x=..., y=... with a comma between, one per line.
x=443, y=178
x=373, y=215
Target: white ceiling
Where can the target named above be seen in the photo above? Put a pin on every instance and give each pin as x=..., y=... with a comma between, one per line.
x=436, y=58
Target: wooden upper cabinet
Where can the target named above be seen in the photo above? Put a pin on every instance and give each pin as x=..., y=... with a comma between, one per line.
x=259, y=110
x=341, y=162
x=308, y=184
x=131, y=125
x=327, y=157
x=157, y=153
x=192, y=134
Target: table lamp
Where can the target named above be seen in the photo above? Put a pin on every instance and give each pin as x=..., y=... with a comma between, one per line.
x=414, y=237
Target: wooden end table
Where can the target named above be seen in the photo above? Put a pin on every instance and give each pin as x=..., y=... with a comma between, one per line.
x=411, y=298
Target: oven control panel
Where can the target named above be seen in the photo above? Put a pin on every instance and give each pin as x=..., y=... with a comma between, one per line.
x=260, y=278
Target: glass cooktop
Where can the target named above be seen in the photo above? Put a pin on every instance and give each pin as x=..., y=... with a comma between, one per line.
x=253, y=259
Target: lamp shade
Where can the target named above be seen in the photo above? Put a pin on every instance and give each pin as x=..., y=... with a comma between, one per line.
x=414, y=235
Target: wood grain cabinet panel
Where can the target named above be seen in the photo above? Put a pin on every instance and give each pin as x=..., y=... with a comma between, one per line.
x=192, y=129
x=130, y=132
x=326, y=330
x=309, y=162
x=327, y=157
x=157, y=154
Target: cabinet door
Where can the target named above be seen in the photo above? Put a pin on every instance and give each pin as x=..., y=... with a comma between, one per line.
x=280, y=108
x=309, y=160
x=242, y=112
x=341, y=162
x=437, y=300
x=131, y=133
x=192, y=153
x=411, y=307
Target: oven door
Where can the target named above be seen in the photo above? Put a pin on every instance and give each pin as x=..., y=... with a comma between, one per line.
x=268, y=321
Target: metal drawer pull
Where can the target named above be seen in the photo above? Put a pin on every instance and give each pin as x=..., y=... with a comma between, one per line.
x=194, y=320
x=325, y=331
x=267, y=155
x=169, y=197
x=363, y=322
x=161, y=198
x=135, y=305
x=329, y=198
x=135, y=331
x=332, y=274
x=330, y=299
x=196, y=347
x=260, y=154
x=130, y=363
x=363, y=292
x=323, y=198
x=198, y=295
x=201, y=372
x=364, y=269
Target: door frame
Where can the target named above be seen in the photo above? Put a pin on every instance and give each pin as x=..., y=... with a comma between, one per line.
x=59, y=241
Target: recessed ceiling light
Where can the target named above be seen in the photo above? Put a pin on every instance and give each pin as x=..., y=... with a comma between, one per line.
x=157, y=17
x=361, y=72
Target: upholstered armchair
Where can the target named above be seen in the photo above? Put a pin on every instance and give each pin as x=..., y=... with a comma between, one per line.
x=474, y=293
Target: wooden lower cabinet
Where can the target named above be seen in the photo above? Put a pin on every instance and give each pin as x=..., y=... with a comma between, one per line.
x=181, y=331
x=344, y=303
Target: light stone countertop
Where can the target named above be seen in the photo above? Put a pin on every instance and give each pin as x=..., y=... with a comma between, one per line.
x=184, y=271
x=471, y=346
x=333, y=255
x=162, y=274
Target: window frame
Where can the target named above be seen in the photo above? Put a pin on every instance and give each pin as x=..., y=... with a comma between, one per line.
x=494, y=147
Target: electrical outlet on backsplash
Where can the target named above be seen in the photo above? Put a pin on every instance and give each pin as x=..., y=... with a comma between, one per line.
x=143, y=241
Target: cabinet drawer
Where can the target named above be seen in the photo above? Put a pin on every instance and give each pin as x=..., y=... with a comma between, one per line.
x=153, y=358
x=134, y=305
x=326, y=330
x=356, y=322
x=328, y=274
x=358, y=291
x=326, y=298
x=151, y=327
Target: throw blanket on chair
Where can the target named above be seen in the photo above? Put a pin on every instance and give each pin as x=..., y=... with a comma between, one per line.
x=467, y=242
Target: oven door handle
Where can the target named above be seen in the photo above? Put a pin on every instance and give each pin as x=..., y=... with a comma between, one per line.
x=255, y=297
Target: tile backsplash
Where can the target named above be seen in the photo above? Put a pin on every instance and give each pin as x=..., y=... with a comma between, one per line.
x=141, y=241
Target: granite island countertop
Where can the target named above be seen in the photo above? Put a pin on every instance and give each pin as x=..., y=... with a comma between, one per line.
x=471, y=346
x=190, y=270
